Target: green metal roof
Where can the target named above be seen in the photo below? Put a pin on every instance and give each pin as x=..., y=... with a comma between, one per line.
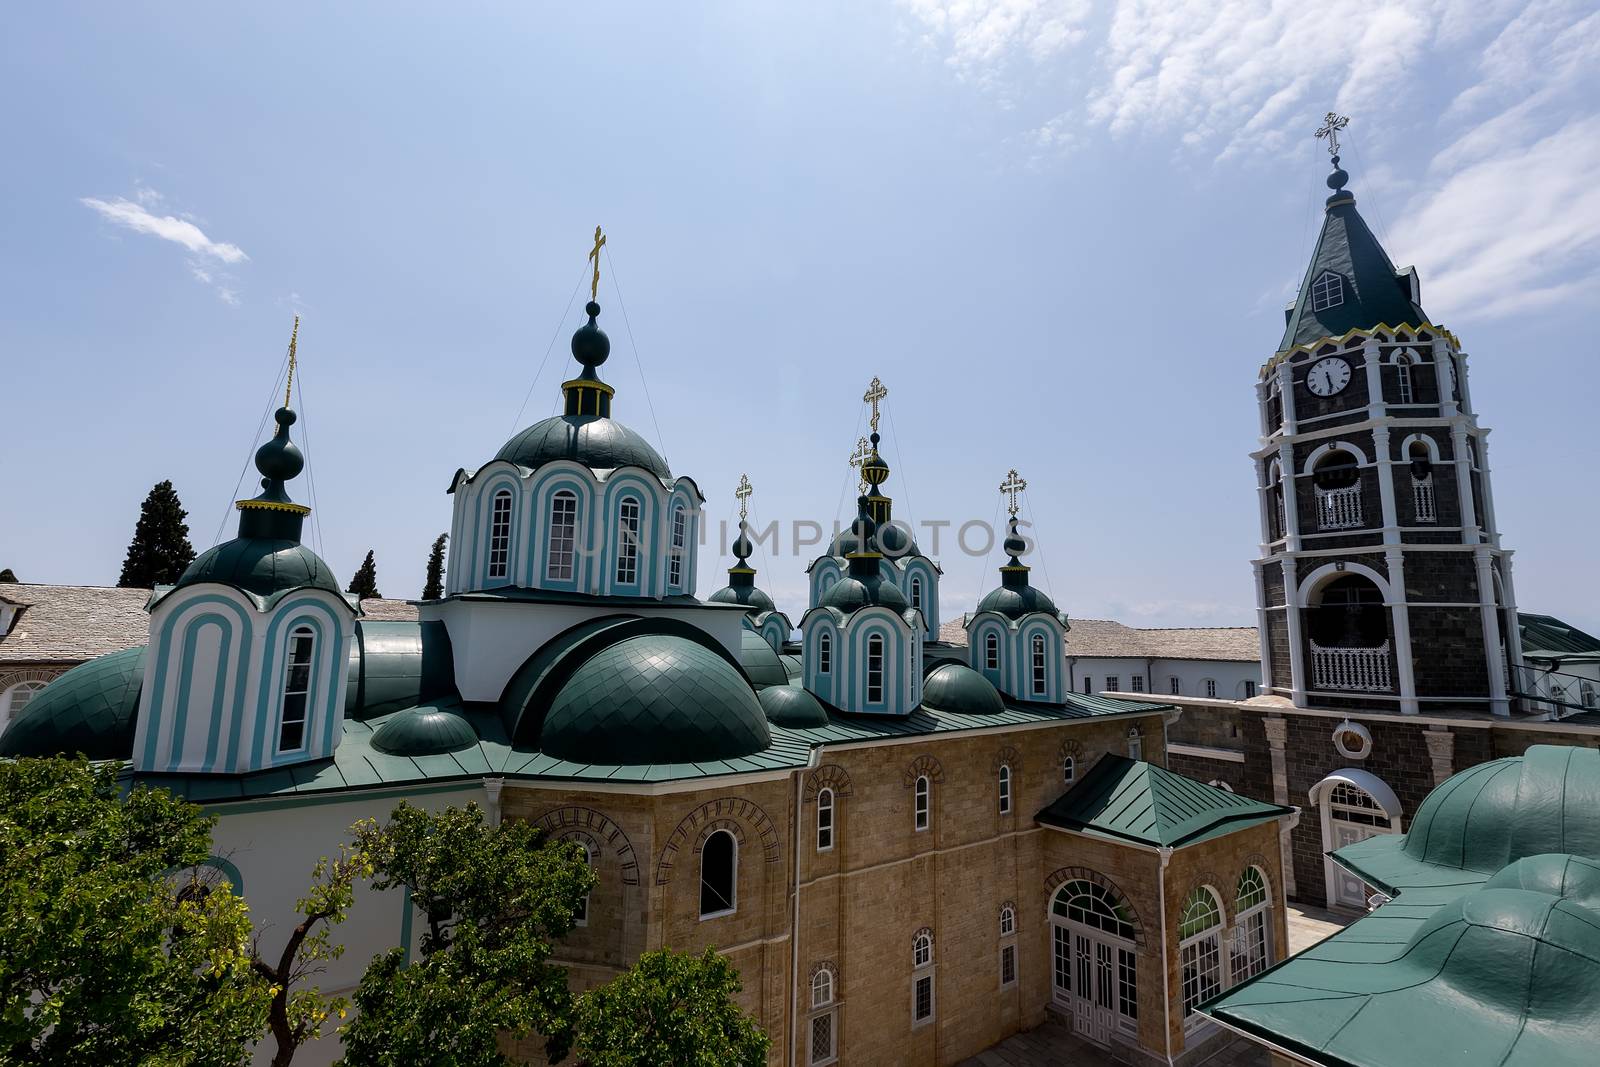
x=427, y=730
x=90, y=709
x=1549, y=635
x=398, y=664
x=510, y=594
x=957, y=687
x=791, y=705
x=843, y=728
x=1131, y=800
x=1488, y=955
x=261, y=566
x=597, y=443
x=761, y=664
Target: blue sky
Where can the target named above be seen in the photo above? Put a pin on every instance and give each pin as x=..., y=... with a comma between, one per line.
x=1062, y=234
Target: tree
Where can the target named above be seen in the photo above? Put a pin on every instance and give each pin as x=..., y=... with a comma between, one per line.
x=106, y=954
x=8, y=575
x=160, y=550
x=433, y=588
x=670, y=1007
x=365, y=583
x=495, y=898
x=295, y=1015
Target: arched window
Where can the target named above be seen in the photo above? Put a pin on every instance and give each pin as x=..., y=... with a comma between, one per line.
x=680, y=545
x=875, y=669
x=1402, y=365
x=824, y=820
x=1337, y=482
x=1200, y=949
x=991, y=651
x=719, y=875
x=296, y=690
x=916, y=593
x=1424, y=504
x=1135, y=743
x=824, y=1023
x=563, y=546
x=1008, y=946
x=14, y=699
x=1094, y=958
x=822, y=988
x=824, y=652
x=1250, y=950
x=1069, y=769
x=1005, y=789
x=580, y=914
x=1008, y=921
x=921, y=978
x=1347, y=612
x=1039, y=664
x=500, y=534
x=921, y=803
x=628, y=541
x=1210, y=685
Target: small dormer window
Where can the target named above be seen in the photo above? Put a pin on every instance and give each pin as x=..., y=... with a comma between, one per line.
x=1327, y=291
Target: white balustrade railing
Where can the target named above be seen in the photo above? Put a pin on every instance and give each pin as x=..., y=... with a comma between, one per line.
x=1361, y=670
x=1422, y=494
x=1339, y=509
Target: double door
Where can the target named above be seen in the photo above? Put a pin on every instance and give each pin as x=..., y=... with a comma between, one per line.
x=1085, y=979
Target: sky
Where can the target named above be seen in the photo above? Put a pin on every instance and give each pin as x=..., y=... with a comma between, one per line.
x=1061, y=232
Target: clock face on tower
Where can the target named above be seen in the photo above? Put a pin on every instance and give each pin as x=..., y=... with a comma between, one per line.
x=1328, y=376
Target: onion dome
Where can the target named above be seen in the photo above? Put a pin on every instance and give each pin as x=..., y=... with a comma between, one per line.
x=90, y=709
x=585, y=432
x=424, y=731
x=863, y=585
x=741, y=587
x=792, y=706
x=955, y=687
x=267, y=556
x=1015, y=597
x=654, y=699
x=892, y=539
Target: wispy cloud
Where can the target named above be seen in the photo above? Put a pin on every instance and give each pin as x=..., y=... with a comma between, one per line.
x=205, y=255
x=980, y=37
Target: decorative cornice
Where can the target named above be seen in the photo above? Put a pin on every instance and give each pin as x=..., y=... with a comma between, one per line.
x=1365, y=334
x=271, y=505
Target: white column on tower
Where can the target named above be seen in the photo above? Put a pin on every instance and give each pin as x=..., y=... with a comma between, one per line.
x=1400, y=612
x=1297, y=652
x=1385, y=470
x=1463, y=464
x=1493, y=661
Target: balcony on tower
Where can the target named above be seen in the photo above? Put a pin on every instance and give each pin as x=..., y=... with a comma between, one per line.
x=1336, y=481
x=1351, y=647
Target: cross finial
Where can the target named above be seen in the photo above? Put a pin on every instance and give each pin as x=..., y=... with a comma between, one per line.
x=1013, y=485
x=875, y=392
x=859, y=456
x=594, y=254
x=288, y=388
x=743, y=493
x=1332, y=123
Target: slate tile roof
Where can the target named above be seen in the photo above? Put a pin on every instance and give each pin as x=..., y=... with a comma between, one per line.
x=1103, y=638
x=71, y=623
x=379, y=609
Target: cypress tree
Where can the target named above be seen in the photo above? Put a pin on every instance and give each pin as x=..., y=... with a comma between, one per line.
x=433, y=588
x=365, y=583
x=160, y=550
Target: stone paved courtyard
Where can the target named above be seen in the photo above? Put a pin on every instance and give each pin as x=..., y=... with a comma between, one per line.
x=1054, y=1044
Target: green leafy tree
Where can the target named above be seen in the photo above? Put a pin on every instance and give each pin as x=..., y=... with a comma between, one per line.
x=365, y=583
x=669, y=1008
x=114, y=946
x=8, y=575
x=298, y=1010
x=160, y=550
x=495, y=898
x=433, y=588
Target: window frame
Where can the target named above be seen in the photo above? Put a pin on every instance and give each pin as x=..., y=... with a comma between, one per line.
x=1112, y=681
x=500, y=534
x=916, y=591
x=680, y=543
x=825, y=1011
x=1405, y=388
x=1202, y=950
x=877, y=672
x=733, y=880
x=561, y=537
x=991, y=651
x=1003, y=784
x=1210, y=685
x=1327, y=291
x=1040, y=665
x=825, y=652
x=1069, y=769
x=922, y=803
x=626, y=571
x=1252, y=923
x=1135, y=743
x=922, y=978
x=580, y=916
x=825, y=832
x=305, y=634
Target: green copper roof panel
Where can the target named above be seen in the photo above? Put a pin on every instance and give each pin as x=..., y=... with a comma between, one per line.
x=1136, y=801
x=90, y=709
x=1545, y=633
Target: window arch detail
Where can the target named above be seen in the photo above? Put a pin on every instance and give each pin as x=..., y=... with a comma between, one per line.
x=1130, y=927
x=500, y=535
x=560, y=822
x=719, y=873
x=733, y=814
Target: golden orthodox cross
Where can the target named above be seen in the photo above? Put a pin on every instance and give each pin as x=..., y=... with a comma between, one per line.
x=1332, y=123
x=875, y=392
x=288, y=388
x=594, y=254
x=1011, y=487
x=859, y=456
x=743, y=493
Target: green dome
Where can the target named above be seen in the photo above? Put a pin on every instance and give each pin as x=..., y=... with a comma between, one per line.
x=748, y=595
x=424, y=731
x=262, y=566
x=790, y=705
x=849, y=594
x=90, y=709
x=597, y=443
x=1015, y=603
x=761, y=664
x=654, y=698
x=958, y=688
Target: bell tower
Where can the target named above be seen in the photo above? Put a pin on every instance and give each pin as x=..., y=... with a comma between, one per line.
x=1381, y=582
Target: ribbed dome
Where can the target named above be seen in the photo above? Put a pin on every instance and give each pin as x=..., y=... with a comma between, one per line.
x=761, y=664
x=1015, y=603
x=958, y=688
x=424, y=731
x=850, y=594
x=654, y=698
x=262, y=566
x=792, y=706
x=597, y=443
x=90, y=709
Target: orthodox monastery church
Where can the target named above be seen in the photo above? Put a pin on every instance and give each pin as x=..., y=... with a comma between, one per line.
x=912, y=841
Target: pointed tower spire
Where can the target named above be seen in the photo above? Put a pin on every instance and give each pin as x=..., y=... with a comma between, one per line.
x=271, y=513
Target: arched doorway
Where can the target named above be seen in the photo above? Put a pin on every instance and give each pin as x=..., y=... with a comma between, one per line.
x=1094, y=960
x=1354, y=805
x=1347, y=624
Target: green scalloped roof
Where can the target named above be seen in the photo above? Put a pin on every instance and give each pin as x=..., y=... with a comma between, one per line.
x=1131, y=800
x=597, y=443
x=957, y=687
x=792, y=706
x=761, y=664
x=426, y=730
x=1015, y=603
x=90, y=709
x=261, y=566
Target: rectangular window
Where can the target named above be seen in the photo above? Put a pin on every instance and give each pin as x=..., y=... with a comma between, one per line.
x=500, y=535
x=1127, y=984
x=825, y=820
x=1062, y=959
x=1211, y=687
x=1201, y=964
x=680, y=541
x=563, y=536
x=874, y=669
x=822, y=1050
x=1422, y=499
x=296, y=691
x=1005, y=790
x=991, y=652
x=1111, y=684
x=1175, y=687
x=1249, y=690
x=1038, y=667
x=824, y=654
x=1137, y=681
x=1088, y=684
x=628, y=543
x=1247, y=955
x=922, y=1009
x=1008, y=964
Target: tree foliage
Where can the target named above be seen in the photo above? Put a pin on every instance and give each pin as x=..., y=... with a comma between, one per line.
x=433, y=587
x=8, y=575
x=494, y=898
x=160, y=550
x=115, y=948
x=669, y=1008
x=365, y=582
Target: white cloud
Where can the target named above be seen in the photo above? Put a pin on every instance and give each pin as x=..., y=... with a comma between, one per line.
x=980, y=36
x=136, y=217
